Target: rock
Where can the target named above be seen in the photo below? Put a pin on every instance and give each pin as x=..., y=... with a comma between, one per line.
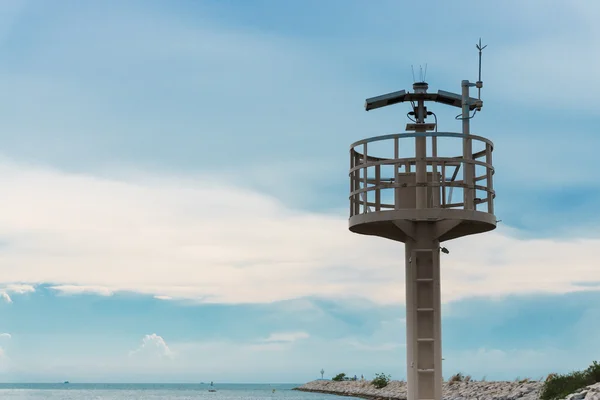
x=595, y=387
x=577, y=396
x=592, y=395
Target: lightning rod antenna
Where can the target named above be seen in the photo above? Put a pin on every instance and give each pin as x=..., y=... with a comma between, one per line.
x=480, y=48
x=412, y=67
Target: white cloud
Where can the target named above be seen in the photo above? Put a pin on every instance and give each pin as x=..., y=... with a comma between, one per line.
x=4, y=296
x=19, y=288
x=286, y=337
x=198, y=238
x=15, y=289
x=159, y=297
x=278, y=341
x=153, y=345
x=82, y=289
x=5, y=336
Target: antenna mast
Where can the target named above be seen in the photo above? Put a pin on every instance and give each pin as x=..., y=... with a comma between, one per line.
x=479, y=82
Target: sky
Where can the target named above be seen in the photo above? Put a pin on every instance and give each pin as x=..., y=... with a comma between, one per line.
x=174, y=188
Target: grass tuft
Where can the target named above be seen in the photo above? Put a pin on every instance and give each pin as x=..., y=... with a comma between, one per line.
x=456, y=378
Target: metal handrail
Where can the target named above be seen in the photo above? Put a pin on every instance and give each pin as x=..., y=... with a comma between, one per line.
x=362, y=185
x=422, y=134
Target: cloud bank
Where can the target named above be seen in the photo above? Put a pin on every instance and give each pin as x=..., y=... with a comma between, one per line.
x=204, y=239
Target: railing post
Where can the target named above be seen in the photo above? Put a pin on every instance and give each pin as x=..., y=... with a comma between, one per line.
x=396, y=171
x=365, y=184
x=443, y=183
x=351, y=176
x=355, y=179
x=377, y=187
x=435, y=188
x=489, y=178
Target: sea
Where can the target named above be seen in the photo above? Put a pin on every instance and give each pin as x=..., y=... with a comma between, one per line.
x=114, y=391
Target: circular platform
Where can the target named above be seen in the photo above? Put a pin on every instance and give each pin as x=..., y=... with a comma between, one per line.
x=456, y=193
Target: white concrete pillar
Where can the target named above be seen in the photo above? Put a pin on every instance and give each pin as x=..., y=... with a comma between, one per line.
x=423, y=315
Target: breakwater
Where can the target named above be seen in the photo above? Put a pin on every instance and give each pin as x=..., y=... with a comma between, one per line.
x=473, y=390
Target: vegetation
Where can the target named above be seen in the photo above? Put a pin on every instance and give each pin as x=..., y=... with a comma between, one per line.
x=381, y=380
x=560, y=386
x=456, y=378
x=339, y=377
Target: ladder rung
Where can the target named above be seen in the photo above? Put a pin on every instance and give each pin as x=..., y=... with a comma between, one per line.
x=425, y=309
x=428, y=370
x=426, y=340
x=425, y=280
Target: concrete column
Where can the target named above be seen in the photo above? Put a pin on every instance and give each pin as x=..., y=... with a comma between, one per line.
x=423, y=315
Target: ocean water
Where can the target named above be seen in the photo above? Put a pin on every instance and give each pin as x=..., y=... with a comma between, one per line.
x=96, y=391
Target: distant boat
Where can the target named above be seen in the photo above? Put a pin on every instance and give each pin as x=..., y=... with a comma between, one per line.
x=66, y=382
x=212, y=389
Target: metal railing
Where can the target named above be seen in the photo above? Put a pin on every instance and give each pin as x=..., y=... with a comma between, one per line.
x=384, y=183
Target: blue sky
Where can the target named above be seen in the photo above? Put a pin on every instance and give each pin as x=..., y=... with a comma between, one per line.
x=174, y=188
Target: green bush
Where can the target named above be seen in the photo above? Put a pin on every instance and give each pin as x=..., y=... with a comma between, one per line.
x=560, y=386
x=593, y=371
x=339, y=377
x=381, y=380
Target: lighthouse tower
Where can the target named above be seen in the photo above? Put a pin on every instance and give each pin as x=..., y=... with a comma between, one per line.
x=423, y=187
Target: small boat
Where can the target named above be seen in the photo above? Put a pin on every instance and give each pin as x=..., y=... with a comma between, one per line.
x=212, y=389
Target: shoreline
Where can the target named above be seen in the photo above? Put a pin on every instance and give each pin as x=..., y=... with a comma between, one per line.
x=359, y=396
x=471, y=390
x=335, y=393
x=396, y=390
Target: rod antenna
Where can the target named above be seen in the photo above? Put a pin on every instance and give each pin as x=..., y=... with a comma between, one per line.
x=480, y=48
